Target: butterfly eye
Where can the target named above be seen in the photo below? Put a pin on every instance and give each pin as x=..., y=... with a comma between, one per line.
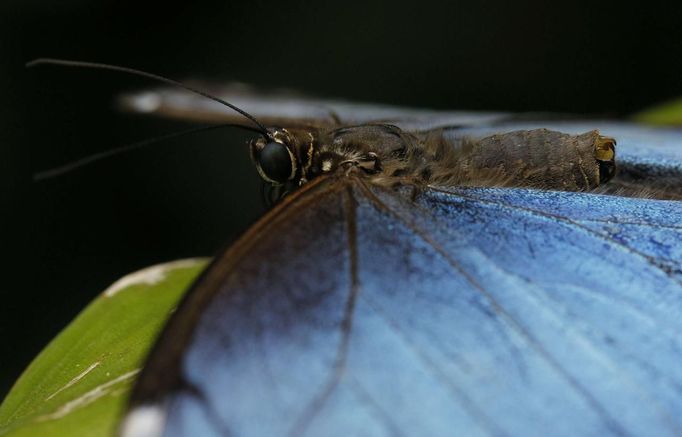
x=276, y=163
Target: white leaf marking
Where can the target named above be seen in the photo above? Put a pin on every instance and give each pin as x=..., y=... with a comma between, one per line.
x=87, y=398
x=150, y=275
x=74, y=380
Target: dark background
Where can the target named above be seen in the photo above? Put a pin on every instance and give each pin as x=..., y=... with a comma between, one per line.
x=66, y=239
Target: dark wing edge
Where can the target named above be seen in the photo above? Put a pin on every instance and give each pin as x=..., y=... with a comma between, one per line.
x=161, y=373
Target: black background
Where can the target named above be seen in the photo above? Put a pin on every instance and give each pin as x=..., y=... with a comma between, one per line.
x=66, y=239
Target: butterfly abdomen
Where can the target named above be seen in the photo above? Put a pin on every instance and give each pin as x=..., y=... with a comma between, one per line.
x=537, y=158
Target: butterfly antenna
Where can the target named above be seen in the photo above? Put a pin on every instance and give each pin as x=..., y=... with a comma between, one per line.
x=57, y=171
x=96, y=65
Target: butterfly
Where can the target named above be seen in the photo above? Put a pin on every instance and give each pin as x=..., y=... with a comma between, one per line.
x=427, y=273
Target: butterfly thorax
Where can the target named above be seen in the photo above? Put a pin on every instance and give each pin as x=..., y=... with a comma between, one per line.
x=372, y=150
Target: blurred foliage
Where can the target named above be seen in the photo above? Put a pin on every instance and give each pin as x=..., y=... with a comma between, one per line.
x=665, y=114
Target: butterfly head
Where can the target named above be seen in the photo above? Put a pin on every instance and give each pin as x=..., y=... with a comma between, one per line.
x=293, y=157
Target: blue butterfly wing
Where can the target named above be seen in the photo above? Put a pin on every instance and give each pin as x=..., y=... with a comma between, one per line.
x=587, y=290
x=354, y=310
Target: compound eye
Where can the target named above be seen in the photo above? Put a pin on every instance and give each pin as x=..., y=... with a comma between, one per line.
x=276, y=163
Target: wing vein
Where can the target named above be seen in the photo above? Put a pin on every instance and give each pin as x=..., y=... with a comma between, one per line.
x=372, y=404
x=513, y=322
x=635, y=223
x=613, y=364
x=622, y=301
x=648, y=258
x=317, y=403
x=458, y=395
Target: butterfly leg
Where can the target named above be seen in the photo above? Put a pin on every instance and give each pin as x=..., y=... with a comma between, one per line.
x=370, y=163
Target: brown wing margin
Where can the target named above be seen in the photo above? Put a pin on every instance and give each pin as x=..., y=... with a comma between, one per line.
x=161, y=372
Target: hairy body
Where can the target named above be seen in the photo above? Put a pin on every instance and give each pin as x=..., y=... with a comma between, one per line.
x=389, y=156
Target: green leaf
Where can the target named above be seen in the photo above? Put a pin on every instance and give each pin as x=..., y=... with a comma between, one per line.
x=78, y=384
x=668, y=114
